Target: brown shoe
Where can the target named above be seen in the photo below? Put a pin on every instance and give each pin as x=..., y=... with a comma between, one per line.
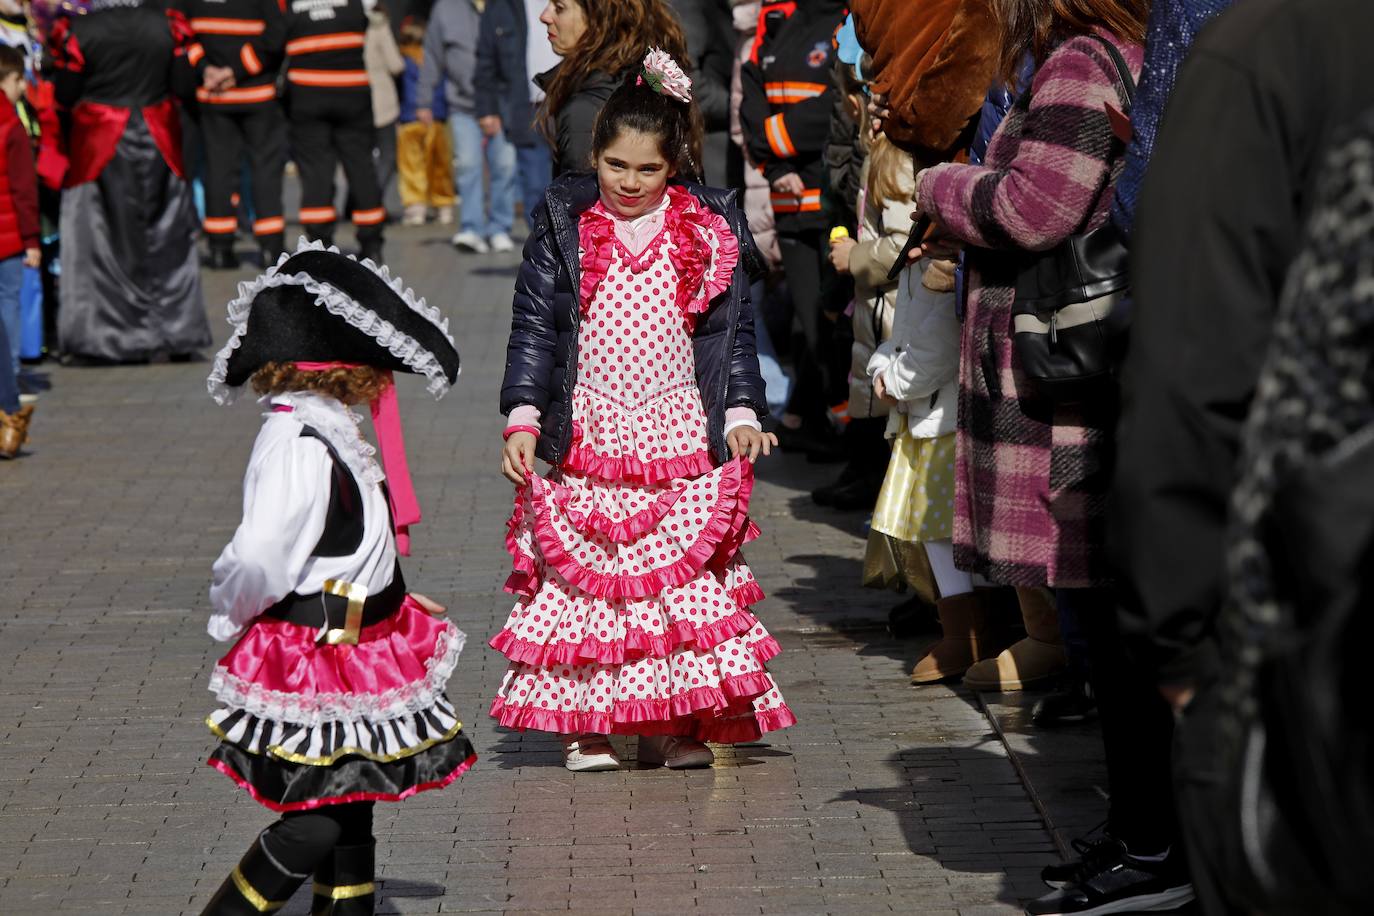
x=967, y=639
x=1031, y=661
x=14, y=430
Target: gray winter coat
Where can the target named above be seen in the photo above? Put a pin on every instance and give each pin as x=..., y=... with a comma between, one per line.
x=451, y=53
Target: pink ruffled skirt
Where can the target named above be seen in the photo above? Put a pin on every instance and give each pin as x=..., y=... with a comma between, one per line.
x=633, y=613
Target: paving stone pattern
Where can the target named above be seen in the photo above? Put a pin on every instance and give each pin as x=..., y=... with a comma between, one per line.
x=882, y=798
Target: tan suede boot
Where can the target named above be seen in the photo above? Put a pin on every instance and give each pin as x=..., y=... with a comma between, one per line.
x=964, y=621
x=14, y=430
x=1034, y=659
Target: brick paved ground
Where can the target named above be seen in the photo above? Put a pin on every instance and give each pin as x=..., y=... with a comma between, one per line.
x=882, y=798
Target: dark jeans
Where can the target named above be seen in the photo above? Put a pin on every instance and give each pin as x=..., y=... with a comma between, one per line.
x=801, y=264
x=9, y=376
x=1137, y=729
x=534, y=170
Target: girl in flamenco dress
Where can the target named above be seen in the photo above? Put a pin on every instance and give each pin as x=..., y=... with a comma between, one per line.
x=332, y=698
x=632, y=371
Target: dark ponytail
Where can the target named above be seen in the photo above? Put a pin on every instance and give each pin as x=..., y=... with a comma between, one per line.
x=676, y=125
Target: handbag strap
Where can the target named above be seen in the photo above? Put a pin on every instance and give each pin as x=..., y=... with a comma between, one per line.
x=1123, y=70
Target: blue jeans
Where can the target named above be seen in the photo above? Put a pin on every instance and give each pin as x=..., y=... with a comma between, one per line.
x=777, y=385
x=535, y=165
x=469, y=145
x=11, y=277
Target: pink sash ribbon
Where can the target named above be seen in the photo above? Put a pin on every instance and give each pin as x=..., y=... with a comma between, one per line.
x=386, y=420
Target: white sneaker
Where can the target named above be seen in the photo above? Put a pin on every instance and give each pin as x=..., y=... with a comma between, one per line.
x=501, y=243
x=589, y=754
x=674, y=752
x=445, y=216
x=415, y=215
x=470, y=241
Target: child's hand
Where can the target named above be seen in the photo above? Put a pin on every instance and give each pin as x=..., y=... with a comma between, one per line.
x=745, y=440
x=839, y=253
x=880, y=390
x=429, y=604
x=517, y=458
x=33, y=257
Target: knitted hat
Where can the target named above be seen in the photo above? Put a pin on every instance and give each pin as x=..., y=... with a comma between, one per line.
x=318, y=305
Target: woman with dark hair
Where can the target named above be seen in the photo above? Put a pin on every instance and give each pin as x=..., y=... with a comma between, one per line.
x=600, y=42
x=1032, y=473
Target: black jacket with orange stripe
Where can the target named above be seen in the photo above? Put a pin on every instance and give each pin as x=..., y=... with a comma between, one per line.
x=324, y=46
x=244, y=35
x=787, y=101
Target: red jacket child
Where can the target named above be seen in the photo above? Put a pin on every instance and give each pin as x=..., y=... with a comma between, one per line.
x=19, y=226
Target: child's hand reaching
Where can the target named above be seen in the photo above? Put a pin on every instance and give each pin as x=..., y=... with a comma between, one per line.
x=745, y=440
x=517, y=458
x=431, y=606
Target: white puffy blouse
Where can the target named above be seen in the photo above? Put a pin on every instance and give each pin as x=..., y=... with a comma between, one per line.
x=285, y=500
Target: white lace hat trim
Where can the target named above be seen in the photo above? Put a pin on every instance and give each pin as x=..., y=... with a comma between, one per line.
x=401, y=345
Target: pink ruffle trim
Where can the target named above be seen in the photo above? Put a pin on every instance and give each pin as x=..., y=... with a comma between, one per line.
x=624, y=531
x=314, y=803
x=725, y=532
x=638, y=717
x=637, y=643
x=702, y=273
x=581, y=459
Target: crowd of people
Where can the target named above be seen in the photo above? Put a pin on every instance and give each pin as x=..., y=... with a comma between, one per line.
x=956, y=212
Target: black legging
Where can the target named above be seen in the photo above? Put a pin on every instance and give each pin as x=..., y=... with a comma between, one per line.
x=301, y=840
x=801, y=264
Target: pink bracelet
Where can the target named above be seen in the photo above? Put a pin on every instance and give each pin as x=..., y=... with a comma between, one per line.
x=512, y=430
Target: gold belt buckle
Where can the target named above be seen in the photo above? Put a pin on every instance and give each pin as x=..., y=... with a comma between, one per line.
x=353, y=619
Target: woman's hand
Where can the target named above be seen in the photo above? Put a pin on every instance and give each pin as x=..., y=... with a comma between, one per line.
x=878, y=110
x=839, y=253
x=791, y=183
x=517, y=458
x=745, y=440
x=429, y=604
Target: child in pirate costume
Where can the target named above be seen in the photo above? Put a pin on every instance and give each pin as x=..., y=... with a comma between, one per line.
x=332, y=697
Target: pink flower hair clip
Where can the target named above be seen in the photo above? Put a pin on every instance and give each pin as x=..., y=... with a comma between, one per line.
x=665, y=77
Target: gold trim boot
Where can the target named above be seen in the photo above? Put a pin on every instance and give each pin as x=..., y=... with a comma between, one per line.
x=344, y=882
x=256, y=885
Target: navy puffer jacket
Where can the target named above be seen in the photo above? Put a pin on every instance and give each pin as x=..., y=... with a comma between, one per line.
x=541, y=358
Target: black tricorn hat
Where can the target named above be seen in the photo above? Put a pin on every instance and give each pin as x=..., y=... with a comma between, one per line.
x=318, y=305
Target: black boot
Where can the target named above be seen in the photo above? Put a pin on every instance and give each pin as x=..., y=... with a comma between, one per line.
x=272, y=247
x=370, y=250
x=823, y=496
x=256, y=885
x=222, y=257
x=344, y=882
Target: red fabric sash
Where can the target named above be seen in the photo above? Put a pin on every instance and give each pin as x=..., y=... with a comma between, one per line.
x=95, y=133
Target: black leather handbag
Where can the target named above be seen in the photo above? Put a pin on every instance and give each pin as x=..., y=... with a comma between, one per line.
x=1071, y=313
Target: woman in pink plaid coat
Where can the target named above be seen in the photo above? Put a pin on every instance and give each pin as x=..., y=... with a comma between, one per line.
x=1032, y=476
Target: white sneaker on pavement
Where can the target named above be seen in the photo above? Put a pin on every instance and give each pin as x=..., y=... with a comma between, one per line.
x=589, y=754
x=470, y=241
x=501, y=243
x=415, y=215
x=674, y=752
x=445, y=216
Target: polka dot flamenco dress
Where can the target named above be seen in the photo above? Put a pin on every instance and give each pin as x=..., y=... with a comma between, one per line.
x=633, y=613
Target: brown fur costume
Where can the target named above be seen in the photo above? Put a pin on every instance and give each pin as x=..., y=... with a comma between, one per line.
x=935, y=61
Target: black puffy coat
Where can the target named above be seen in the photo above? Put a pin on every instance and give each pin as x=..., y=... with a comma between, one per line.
x=541, y=358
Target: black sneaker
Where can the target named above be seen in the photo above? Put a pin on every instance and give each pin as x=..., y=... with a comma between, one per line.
x=1069, y=705
x=1119, y=883
x=1091, y=855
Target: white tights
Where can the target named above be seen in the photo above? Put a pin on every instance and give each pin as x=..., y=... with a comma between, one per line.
x=948, y=578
